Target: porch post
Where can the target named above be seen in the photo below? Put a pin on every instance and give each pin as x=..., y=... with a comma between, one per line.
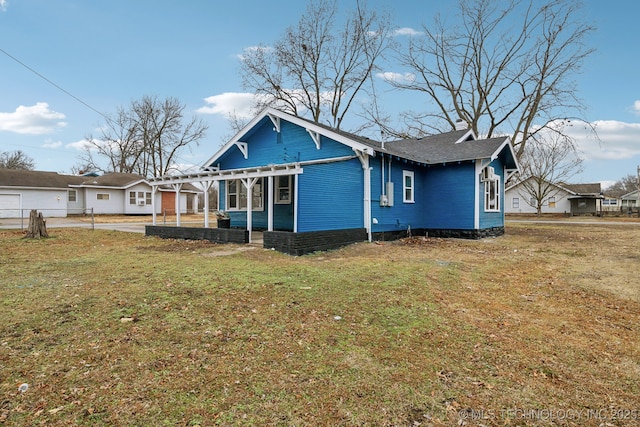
x=270, y=189
x=177, y=188
x=154, y=191
x=295, y=203
x=207, y=186
x=249, y=183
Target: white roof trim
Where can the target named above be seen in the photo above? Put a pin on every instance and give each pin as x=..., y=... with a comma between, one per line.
x=464, y=137
x=507, y=141
x=277, y=115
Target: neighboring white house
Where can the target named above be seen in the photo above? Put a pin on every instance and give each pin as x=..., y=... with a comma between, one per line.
x=573, y=199
x=629, y=200
x=57, y=195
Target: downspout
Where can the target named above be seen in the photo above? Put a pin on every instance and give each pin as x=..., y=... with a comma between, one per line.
x=364, y=160
x=476, y=203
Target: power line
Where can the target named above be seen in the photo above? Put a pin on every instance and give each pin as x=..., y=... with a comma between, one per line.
x=53, y=84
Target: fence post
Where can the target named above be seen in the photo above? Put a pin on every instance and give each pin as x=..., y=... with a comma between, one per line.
x=93, y=221
x=21, y=219
x=164, y=217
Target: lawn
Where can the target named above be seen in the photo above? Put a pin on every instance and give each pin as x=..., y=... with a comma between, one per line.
x=538, y=327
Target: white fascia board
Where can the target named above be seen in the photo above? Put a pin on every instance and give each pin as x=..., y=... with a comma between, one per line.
x=465, y=136
x=141, y=181
x=507, y=142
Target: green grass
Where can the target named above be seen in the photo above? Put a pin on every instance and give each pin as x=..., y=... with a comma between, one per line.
x=112, y=328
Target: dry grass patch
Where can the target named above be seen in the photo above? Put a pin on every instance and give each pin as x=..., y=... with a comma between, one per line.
x=111, y=328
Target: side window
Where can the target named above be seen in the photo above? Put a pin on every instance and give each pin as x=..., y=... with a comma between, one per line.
x=237, y=195
x=515, y=202
x=408, y=187
x=283, y=190
x=552, y=202
x=492, y=194
x=72, y=196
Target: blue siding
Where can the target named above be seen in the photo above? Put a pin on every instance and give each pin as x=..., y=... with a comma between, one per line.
x=331, y=196
x=493, y=219
x=401, y=215
x=444, y=197
x=450, y=196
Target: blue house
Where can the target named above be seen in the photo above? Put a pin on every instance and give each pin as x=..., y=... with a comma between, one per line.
x=310, y=187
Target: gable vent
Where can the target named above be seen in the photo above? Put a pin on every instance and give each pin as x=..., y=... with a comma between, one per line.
x=461, y=125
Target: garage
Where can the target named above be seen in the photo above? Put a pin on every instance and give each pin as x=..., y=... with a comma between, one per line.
x=9, y=205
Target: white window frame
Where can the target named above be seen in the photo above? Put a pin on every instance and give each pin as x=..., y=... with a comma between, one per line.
x=492, y=199
x=411, y=188
x=135, y=197
x=551, y=202
x=241, y=196
x=103, y=196
x=515, y=203
x=70, y=198
x=281, y=191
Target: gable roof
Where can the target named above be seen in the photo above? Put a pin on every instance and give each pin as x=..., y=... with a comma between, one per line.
x=37, y=179
x=112, y=179
x=274, y=115
x=591, y=189
x=577, y=190
x=454, y=146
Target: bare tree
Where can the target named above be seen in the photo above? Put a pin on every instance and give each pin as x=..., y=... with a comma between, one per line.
x=624, y=185
x=545, y=165
x=145, y=139
x=16, y=160
x=319, y=65
x=507, y=67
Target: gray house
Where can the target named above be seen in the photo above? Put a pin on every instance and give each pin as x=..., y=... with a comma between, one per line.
x=58, y=195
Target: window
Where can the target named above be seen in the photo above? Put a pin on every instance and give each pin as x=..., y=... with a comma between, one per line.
x=102, y=196
x=492, y=195
x=73, y=196
x=283, y=190
x=237, y=195
x=515, y=203
x=139, y=198
x=552, y=202
x=407, y=187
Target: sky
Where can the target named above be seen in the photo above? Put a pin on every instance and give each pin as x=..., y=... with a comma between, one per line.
x=64, y=62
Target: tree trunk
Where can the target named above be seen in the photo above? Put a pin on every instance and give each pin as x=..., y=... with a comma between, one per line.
x=37, y=226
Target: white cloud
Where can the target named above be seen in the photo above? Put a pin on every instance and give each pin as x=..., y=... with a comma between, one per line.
x=51, y=144
x=636, y=107
x=228, y=103
x=406, y=31
x=390, y=76
x=34, y=120
x=3, y=5
x=617, y=140
x=79, y=145
x=252, y=50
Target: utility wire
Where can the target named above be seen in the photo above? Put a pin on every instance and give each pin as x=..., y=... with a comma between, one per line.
x=53, y=84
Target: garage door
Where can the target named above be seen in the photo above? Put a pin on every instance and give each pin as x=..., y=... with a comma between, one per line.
x=9, y=205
